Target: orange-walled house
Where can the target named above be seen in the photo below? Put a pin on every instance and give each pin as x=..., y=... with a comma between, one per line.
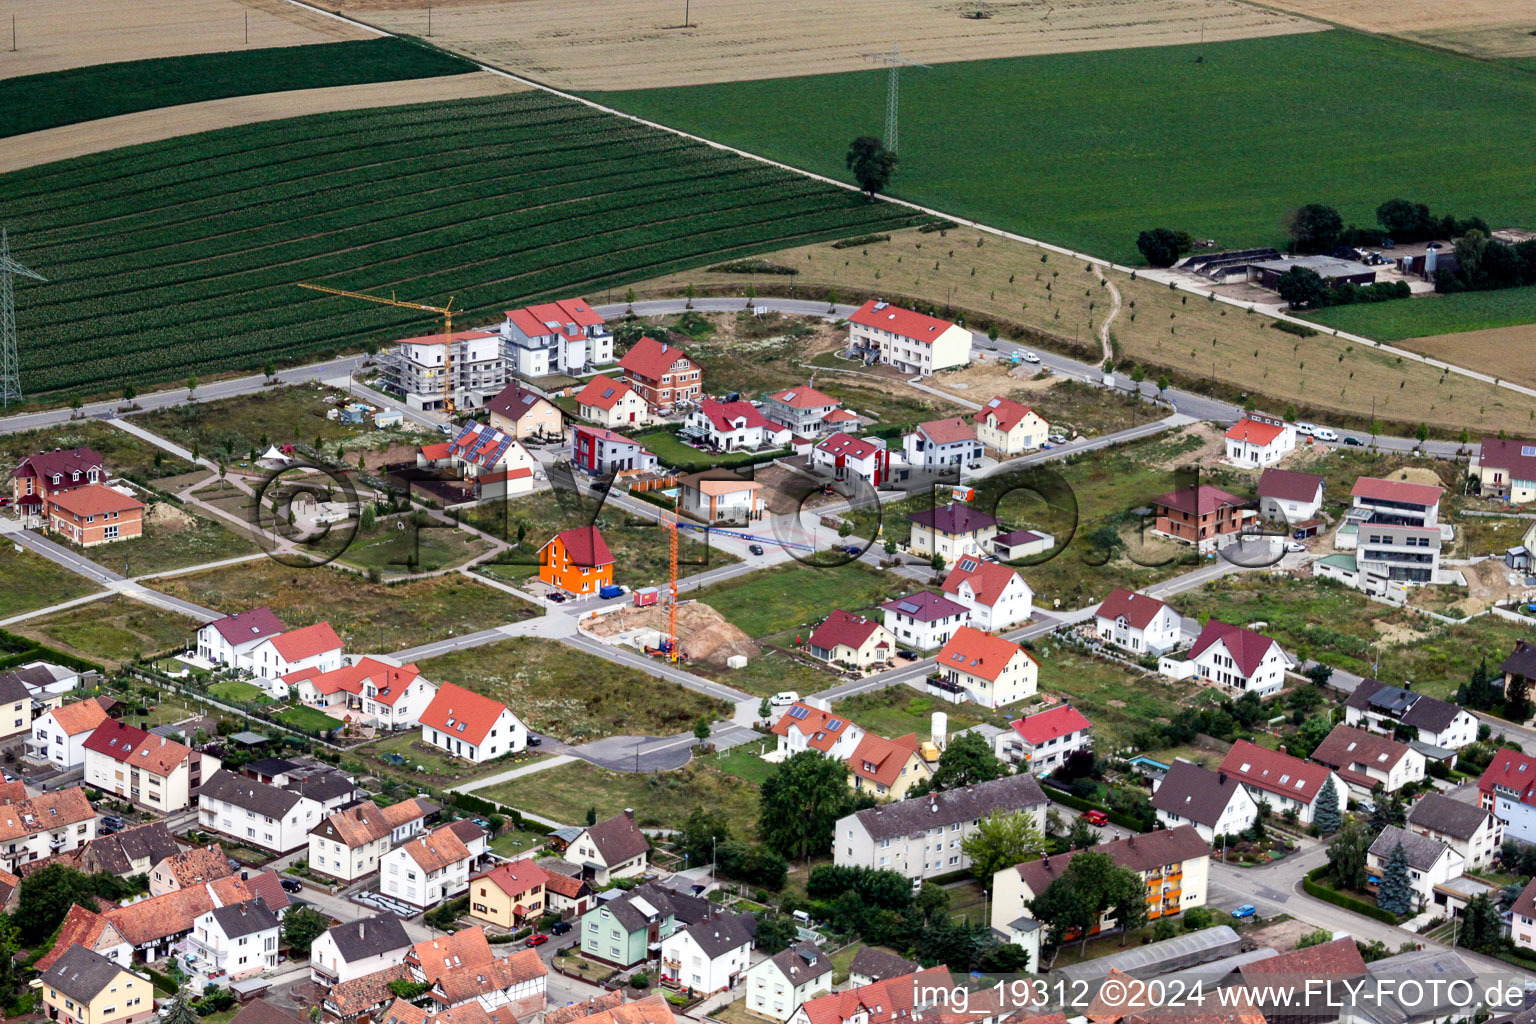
x=577, y=561
x=95, y=515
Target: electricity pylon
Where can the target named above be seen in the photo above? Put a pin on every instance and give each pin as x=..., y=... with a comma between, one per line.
x=895, y=61
x=10, y=364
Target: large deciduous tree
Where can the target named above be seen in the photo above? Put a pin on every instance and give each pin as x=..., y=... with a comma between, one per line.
x=1314, y=228
x=1002, y=840
x=871, y=163
x=800, y=802
x=46, y=896
x=967, y=760
x=1160, y=246
x=1302, y=287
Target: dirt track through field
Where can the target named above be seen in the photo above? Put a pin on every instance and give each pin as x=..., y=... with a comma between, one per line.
x=63, y=34
x=1486, y=28
x=189, y=118
x=633, y=44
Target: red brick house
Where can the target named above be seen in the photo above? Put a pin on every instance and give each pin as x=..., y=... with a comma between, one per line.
x=45, y=474
x=1207, y=517
x=661, y=374
x=95, y=515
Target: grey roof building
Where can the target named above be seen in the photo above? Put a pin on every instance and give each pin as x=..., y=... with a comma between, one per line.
x=1214, y=802
x=871, y=965
x=81, y=973
x=248, y=918
x=1180, y=953
x=1422, y=851
x=373, y=936
x=269, y=801
x=717, y=936
x=1439, y=813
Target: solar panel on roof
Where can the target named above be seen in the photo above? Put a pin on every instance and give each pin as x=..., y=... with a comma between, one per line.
x=907, y=606
x=608, y=393
x=834, y=725
x=994, y=403
x=1528, y=450
x=798, y=713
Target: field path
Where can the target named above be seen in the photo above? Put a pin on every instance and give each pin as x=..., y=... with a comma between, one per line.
x=190, y=118
x=1106, y=349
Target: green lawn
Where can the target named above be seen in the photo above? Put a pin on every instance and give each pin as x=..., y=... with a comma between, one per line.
x=112, y=630
x=514, y=842
x=312, y=719
x=660, y=800
x=173, y=538
x=897, y=710
x=237, y=690
x=769, y=673
x=1440, y=662
x=795, y=595
x=1436, y=314
x=393, y=551
x=673, y=452
x=1117, y=700
x=1088, y=149
x=420, y=759
x=29, y=581
x=573, y=695
x=746, y=761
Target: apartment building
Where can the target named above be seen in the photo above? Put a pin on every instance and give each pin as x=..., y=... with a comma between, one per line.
x=565, y=336
x=148, y=770
x=912, y=342
x=466, y=367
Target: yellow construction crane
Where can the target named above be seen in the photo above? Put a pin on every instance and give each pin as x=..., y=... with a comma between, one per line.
x=446, y=312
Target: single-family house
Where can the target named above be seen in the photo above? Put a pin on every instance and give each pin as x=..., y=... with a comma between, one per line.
x=661, y=374
x=37, y=478
x=257, y=814
x=564, y=336
x=44, y=826
x=1204, y=516
x=910, y=341
x=1213, y=803
x=354, y=949
x=601, y=451
x=729, y=426
x=1281, y=780
x=847, y=457
x=951, y=532
x=1430, y=862
x=1426, y=720
x=781, y=983
x=349, y=844
x=720, y=496
x=230, y=640
x=1234, y=657
x=708, y=956
x=95, y=514
x=630, y=929
x=891, y=1001
x=888, y=768
x=59, y=734
x=154, y=925
x=186, y=869
x=1522, y=917
x=493, y=459
x=461, y=969
x=1010, y=427
x=426, y=870
x=1368, y=761
x=1137, y=623
x=1289, y=496
x=509, y=895
x=133, y=851
x=1505, y=468
x=920, y=837
x=995, y=596
x=371, y=690
x=472, y=726
x=871, y=964
x=1047, y=738
x=148, y=770
x=522, y=412
x=577, y=561
x=924, y=620
x=848, y=639
x=802, y=411
x=1520, y=667
x=84, y=987
x=566, y=892
x=1468, y=829
x=942, y=444
x=984, y=669
x=87, y=929
x=1396, y=502
x=238, y=939
x=807, y=727
x=1507, y=789
x=612, y=403
x=1259, y=440
x=610, y=1008
x=312, y=647
x=613, y=848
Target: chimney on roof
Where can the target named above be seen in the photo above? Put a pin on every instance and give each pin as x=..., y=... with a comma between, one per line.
x=361, y=928
x=1408, y=683
x=629, y=812
x=1282, y=748
x=1221, y=777
x=245, y=876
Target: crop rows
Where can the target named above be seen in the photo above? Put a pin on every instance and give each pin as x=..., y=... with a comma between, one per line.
x=183, y=256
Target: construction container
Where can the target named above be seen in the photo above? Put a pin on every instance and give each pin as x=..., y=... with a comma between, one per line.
x=646, y=596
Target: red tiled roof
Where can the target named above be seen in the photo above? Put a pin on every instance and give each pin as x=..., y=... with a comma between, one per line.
x=436, y=452
x=437, y=849
x=1512, y=771
x=62, y=462
x=605, y=434
x=1517, y=458
x=81, y=927
x=1369, y=487
x=135, y=746
x=822, y=728
x=1346, y=747
x=839, y=416
x=462, y=714
x=390, y=681
x=843, y=629
x=1200, y=500
x=651, y=359
x=1289, y=485
x=883, y=1002
x=1254, y=431
x=1007, y=411
x=988, y=580
x=174, y=912
x=515, y=877
x=849, y=446
x=298, y=644
x=81, y=716
x=1062, y=720
x=728, y=416
x=979, y=654
x=585, y=546
x=603, y=393
x=95, y=500
x=437, y=339
x=947, y=431
x=1246, y=647
x=1273, y=771
x=534, y=321
x=905, y=322
x=1340, y=956
x=881, y=760
x=803, y=398
x=1139, y=609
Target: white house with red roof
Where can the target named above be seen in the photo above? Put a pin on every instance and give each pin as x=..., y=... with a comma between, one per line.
x=475, y=368
x=469, y=725
x=601, y=451
x=1258, y=440
x=370, y=690
x=806, y=727
x=1289, y=496
x=803, y=411
x=1137, y=623
x=1237, y=658
x=59, y=734
x=1010, y=427
x=924, y=620
x=729, y=426
x=720, y=496
x=313, y=647
x=612, y=403
x=1043, y=741
x=848, y=639
x=1505, y=468
x=564, y=336
x=910, y=341
x=996, y=596
x=984, y=669
x=149, y=770
x=662, y=374
x=493, y=458
x=942, y=444
x=229, y=641
x=37, y=477
x=847, y=457
x=1285, y=782
x=1507, y=790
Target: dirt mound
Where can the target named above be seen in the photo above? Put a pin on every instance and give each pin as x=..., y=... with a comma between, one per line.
x=704, y=633
x=165, y=516
x=1416, y=475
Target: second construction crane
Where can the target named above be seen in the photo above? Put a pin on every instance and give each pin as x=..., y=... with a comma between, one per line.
x=446, y=312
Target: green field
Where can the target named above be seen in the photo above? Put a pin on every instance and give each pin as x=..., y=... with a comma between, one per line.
x=1088, y=149
x=773, y=600
x=184, y=255
x=1439, y=314
x=33, y=103
x=125, y=454
x=29, y=581
x=112, y=630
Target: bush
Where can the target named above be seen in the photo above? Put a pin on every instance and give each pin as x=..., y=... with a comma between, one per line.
x=752, y=266
x=1313, y=887
x=858, y=240
x=1296, y=329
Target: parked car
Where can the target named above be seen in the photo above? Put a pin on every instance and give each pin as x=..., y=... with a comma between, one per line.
x=292, y=885
x=1095, y=817
x=1058, y=439
x=1246, y=910
x=1354, y=442
x=1306, y=429
x=535, y=940
x=784, y=698
x=107, y=819
x=1030, y=357
x=1295, y=545
x=557, y=597
x=852, y=549
x=535, y=741
x=1324, y=434
x=756, y=549
x=560, y=927
x=907, y=655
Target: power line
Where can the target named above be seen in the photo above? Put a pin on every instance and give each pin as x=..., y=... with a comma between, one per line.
x=10, y=365
x=895, y=61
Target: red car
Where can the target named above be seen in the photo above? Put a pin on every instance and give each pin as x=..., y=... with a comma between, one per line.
x=1095, y=817
x=536, y=940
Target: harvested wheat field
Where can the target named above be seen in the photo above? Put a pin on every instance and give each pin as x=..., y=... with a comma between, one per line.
x=74, y=33
x=1485, y=28
x=637, y=44
x=702, y=632
x=1506, y=352
x=107, y=133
